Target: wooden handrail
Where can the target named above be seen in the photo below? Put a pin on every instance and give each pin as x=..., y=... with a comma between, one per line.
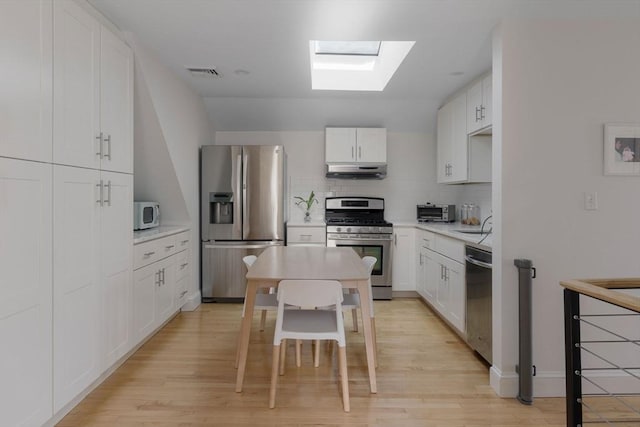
x=604, y=290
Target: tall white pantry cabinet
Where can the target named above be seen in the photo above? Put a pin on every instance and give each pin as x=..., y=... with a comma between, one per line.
x=66, y=200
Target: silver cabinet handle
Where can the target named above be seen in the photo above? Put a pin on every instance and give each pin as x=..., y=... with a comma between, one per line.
x=360, y=152
x=184, y=242
x=108, y=200
x=157, y=280
x=169, y=247
x=352, y=153
x=482, y=110
x=99, y=138
x=107, y=139
x=182, y=266
x=163, y=282
x=101, y=187
x=148, y=254
x=478, y=114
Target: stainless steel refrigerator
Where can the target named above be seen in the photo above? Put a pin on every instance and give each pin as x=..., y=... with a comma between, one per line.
x=242, y=213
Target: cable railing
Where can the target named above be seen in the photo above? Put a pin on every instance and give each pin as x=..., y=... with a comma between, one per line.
x=602, y=352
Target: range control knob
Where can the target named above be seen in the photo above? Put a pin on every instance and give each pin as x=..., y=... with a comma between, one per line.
x=338, y=229
x=348, y=229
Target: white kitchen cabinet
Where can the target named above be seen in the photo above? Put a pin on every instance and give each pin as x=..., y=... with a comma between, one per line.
x=402, y=270
x=25, y=291
x=160, y=283
x=116, y=235
x=93, y=93
x=479, y=105
x=460, y=158
x=306, y=235
x=359, y=145
x=452, y=141
x=441, y=276
x=26, y=33
x=424, y=260
x=92, y=229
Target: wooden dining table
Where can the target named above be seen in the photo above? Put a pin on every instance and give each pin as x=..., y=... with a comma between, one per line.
x=307, y=263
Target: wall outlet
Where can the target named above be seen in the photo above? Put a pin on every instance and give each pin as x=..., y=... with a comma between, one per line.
x=591, y=201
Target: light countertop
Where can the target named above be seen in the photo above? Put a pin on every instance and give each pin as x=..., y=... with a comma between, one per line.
x=141, y=236
x=449, y=229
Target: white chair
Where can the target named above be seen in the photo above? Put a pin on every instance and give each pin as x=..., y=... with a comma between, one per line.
x=352, y=302
x=309, y=324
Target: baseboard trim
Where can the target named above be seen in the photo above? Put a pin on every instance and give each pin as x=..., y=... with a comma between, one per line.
x=192, y=302
x=404, y=294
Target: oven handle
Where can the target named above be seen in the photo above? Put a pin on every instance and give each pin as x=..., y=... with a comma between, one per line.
x=477, y=262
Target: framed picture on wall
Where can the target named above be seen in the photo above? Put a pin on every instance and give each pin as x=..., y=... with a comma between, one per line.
x=622, y=149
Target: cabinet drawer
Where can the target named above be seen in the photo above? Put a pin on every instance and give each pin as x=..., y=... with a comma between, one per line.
x=154, y=250
x=146, y=253
x=306, y=235
x=182, y=264
x=426, y=239
x=450, y=248
x=183, y=241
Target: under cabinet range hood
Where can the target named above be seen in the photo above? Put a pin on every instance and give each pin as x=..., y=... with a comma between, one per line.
x=357, y=170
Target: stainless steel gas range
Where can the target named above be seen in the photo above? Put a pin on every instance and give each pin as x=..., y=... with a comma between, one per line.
x=358, y=222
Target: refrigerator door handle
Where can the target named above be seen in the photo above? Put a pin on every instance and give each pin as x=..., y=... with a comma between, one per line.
x=245, y=198
x=237, y=207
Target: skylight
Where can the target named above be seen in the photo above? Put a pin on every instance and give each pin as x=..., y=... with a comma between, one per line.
x=324, y=47
x=355, y=65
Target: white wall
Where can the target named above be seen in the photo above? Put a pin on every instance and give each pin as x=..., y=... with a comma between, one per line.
x=411, y=173
x=167, y=102
x=560, y=82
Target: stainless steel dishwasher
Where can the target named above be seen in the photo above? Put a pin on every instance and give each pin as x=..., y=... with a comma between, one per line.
x=478, y=276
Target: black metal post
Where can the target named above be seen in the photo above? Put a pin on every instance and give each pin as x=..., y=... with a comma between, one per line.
x=573, y=362
x=525, y=341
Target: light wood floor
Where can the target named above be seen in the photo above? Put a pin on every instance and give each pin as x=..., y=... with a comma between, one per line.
x=427, y=376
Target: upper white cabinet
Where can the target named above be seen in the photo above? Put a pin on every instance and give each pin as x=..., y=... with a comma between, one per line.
x=366, y=145
x=460, y=158
x=452, y=141
x=479, y=105
x=25, y=291
x=26, y=33
x=93, y=93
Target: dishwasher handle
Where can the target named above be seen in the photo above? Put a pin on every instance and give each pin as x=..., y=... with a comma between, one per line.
x=240, y=246
x=477, y=262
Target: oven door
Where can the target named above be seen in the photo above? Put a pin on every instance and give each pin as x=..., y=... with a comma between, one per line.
x=380, y=248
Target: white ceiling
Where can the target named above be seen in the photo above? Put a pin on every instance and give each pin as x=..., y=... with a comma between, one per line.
x=270, y=40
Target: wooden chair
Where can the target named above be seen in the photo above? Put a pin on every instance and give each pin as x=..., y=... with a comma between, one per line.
x=309, y=324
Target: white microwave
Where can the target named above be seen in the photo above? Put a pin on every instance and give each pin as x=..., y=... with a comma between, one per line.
x=146, y=215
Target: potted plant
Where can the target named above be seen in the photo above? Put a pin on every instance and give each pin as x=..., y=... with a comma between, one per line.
x=306, y=203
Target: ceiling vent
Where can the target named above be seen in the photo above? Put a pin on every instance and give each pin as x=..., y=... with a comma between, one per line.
x=204, y=72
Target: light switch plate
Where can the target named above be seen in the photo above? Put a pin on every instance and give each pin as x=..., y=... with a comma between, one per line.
x=591, y=201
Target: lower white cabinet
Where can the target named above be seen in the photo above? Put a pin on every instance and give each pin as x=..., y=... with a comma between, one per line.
x=402, y=271
x=306, y=235
x=160, y=281
x=25, y=293
x=92, y=230
x=441, y=277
